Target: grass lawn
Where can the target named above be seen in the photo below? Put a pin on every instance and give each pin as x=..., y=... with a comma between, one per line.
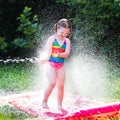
x=17, y=77
x=10, y=113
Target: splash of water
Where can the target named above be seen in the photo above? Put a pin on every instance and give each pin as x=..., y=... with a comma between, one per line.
x=86, y=76
x=87, y=72
x=18, y=60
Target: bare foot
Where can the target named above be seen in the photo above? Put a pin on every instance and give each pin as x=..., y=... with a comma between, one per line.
x=44, y=105
x=62, y=110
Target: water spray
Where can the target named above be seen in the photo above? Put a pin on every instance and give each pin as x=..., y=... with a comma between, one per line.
x=18, y=60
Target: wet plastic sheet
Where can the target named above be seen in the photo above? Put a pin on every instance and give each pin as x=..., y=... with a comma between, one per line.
x=78, y=108
x=106, y=112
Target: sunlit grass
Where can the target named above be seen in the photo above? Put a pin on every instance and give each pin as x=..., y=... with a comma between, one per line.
x=115, y=88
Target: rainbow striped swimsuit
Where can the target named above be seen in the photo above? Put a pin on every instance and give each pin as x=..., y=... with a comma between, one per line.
x=57, y=62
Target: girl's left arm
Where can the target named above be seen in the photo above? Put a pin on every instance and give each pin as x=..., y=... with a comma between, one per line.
x=67, y=50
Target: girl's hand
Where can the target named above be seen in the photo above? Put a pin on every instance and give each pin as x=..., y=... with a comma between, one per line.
x=41, y=61
x=56, y=55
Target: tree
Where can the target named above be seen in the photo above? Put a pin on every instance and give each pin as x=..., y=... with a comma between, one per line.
x=28, y=28
x=97, y=21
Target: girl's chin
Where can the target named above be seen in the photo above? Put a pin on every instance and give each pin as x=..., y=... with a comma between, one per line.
x=62, y=38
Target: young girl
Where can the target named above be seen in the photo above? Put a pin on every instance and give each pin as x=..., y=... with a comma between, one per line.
x=58, y=48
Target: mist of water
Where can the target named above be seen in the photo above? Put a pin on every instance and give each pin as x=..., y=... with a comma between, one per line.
x=86, y=74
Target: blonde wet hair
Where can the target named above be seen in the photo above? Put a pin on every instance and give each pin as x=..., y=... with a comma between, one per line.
x=63, y=23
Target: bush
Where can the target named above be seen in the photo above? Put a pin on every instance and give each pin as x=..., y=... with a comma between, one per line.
x=27, y=30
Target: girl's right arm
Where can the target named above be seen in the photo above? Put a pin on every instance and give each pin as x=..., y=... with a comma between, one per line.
x=48, y=50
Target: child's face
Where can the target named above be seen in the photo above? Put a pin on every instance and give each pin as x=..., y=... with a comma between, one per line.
x=62, y=32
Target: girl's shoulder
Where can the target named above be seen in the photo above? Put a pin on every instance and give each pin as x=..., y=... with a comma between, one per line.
x=67, y=40
x=51, y=38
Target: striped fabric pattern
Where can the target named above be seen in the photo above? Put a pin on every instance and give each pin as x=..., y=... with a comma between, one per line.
x=57, y=48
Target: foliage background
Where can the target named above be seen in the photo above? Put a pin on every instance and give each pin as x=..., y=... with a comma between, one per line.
x=95, y=24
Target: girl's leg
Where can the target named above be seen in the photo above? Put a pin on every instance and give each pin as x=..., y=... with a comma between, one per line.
x=51, y=75
x=60, y=86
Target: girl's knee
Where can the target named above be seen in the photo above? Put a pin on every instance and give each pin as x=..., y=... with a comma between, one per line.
x=53, y=83
x=60, y=85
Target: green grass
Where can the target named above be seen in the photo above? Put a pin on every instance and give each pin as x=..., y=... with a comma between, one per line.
x=114, y=87
x=17, y=77
x=10, y=113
